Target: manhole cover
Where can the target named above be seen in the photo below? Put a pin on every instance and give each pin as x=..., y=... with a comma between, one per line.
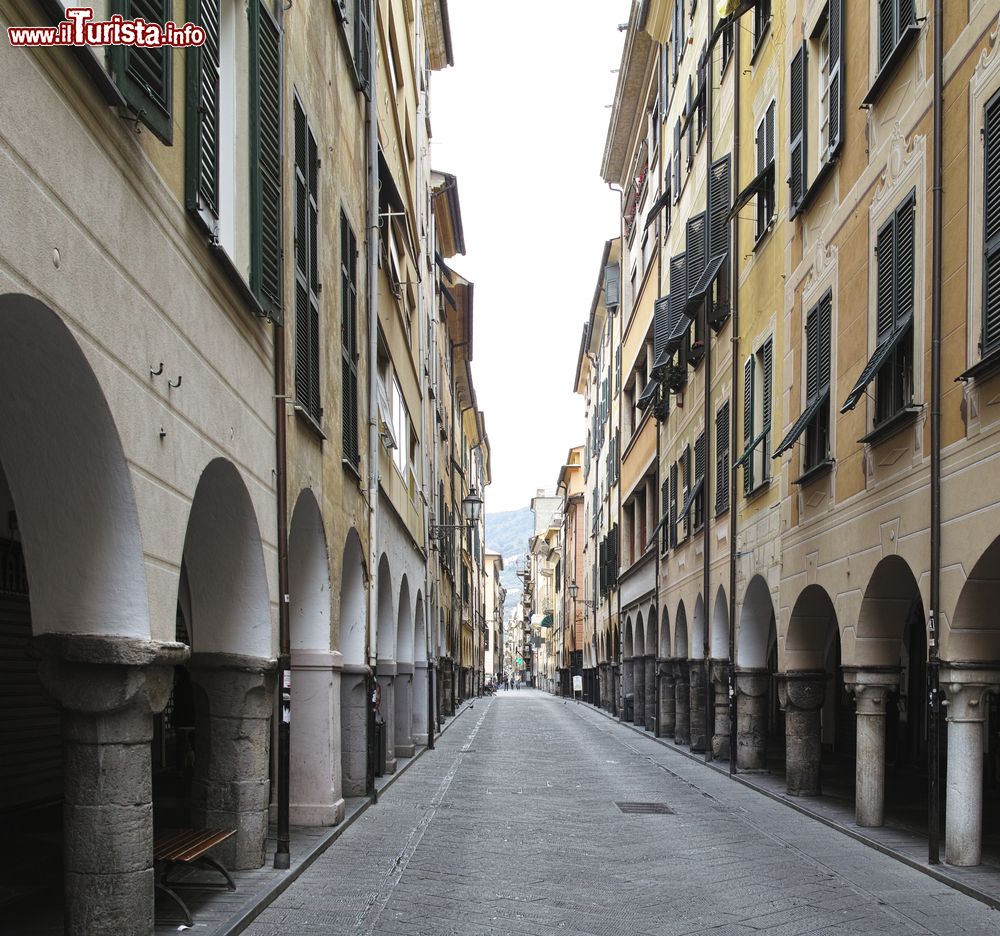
x=645, y=809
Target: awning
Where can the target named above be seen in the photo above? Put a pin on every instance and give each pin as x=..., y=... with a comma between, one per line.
x=704, y=284
x=762, y=182
x=750, y=449
x=546, y=621
x=661, y=361
x=693, y=495
x=880, y=356
x=648, y=395
x=658, y=206
x=800, y=424
x=536, y=620
x=656, y=530
x=446, y=292
x=678, y=330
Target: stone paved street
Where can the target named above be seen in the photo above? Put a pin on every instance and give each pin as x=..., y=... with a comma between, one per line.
x=511, y=826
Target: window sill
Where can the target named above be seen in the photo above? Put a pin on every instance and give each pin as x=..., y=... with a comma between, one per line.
x=760, y=489
x=817, y=184
x=764, y=235
x=310, y=422
x=817, y=471
x=886, y=73
x=907, y=416
x=232, y=274
x=764, y=33
x=982, y=369
x=721, y=511
x=351, y=468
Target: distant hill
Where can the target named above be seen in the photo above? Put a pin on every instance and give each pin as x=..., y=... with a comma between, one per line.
x=507, y=532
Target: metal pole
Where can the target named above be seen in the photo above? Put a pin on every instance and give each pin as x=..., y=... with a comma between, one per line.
x=933, y=664
x=706, y=515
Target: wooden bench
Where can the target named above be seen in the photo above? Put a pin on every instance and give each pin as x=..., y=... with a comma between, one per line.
x=173, y=847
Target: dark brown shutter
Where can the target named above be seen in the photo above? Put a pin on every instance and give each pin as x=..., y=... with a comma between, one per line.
x=797, y=126
x=991, y=227
x=835, y=100
x=201, y=132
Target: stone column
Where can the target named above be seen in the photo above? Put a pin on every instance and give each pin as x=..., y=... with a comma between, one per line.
x=666, y=724
x=651, y=712
x=628, y=687
x=720, y=681
x=639, y=680
x=696, y=682
x=801, y=694
x=109, y=689
x=354, y=705
x=617, y=688
x=752, y=687
x=234, y=702
x=682, y=695
x=385, y=675
x=419, y=702
x=966, y=690
x=872, y=689
x=316, y=735
x=403, y=710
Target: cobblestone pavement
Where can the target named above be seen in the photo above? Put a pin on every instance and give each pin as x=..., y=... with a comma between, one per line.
x=511, y=826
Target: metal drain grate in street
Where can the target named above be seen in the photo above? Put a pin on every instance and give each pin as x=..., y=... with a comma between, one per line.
x=645, y=809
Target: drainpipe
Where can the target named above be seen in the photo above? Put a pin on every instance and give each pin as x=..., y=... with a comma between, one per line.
x=371, y=247
x=659, y=488
x=619, y=690
x=933, y=664
x=734, y=307
x=705, y=498
x=282, y=857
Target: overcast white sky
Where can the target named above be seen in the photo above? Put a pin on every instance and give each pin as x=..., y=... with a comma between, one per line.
x=521, y=120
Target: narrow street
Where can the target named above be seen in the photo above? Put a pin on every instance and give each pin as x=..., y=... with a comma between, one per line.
x=512, y=826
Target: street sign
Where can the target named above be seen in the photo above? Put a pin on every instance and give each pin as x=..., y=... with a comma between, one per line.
x=578, y=684
x=520, y=661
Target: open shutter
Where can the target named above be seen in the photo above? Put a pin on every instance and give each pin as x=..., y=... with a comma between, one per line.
x=719, y=203
x=602, y=562
x=748, y=432
x=201, y=134
x=349, y=343
x=612, y=286
x=673, y=504
x=824, y=330
x=144, y=75
x=700, y=453
x=362, y=46
x=695, y=252
x=265, y=159
x=678, y=281
x=836, y=95
x=991, y=227
x=884, y=278
x=812, y=356
x=665, y=516
x=797, y=126
x=905, y=259
x=676, y=186
x=886, y=32
x=768, y=356
x=661, y=324
x=686, y=485
x=722, y=458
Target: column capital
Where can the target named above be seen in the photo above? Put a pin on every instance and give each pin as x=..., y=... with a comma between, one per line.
x=966, y=688
x=802, y=690
x=872, y=686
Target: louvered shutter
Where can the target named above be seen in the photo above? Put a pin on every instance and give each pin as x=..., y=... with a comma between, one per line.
x=884, y=278
x=905, y=259
x=824, y=337
x=678, y=281
x=695, y=252
x=907, y=15
x=265, y=159
x=991, y=227
x=677, y=162
x=719, y=203
x=665, y=516
x=612, y=285
x=618, y=369
x=674, y=519
x=306, y=280
x=144, y=75
x=835, y=100
x=613, y=565
x=201, y=133
x=686, y=486
x=812, y=355
x=797, y=126
x=700, y=445
x=769, y=133
x=722, y=458
x=661, y=324
x=349, y=343
x=768, y=360
x=602, y=561
x=886, y=32
x=748, y=428
x=362, y=45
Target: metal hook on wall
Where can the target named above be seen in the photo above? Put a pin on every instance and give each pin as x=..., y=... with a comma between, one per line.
x=170, y=383
x=157, y=372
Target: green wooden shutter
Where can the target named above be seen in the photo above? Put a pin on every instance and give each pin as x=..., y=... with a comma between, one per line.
x=722, y=458
x=665, y=516
x=719, y=203
x=884, y=278
x=265, y=159
x=362, y=46
x=748, y=429
x=797, y=126
x=612, y=286
x=812, y=355
x=768, y=361
x=674, y=519
x=349, y=342
x=686, y=485
x=678, y=281
x=661, y=324
x=307, y=390
x=904, y=259
x=694, y=251
x=886, y=29
x=677, y=162
x=824, y=332
x=835, y=100
x=991, y=227
x=143, y=75
x=201, y=133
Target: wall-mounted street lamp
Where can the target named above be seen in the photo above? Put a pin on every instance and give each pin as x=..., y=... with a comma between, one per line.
x=472, y=510
x=586, y=602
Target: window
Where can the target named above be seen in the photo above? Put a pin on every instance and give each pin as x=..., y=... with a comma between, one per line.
x=685, y=482
x=265, y=158
x=818, y=326
x=764, y=149
x=761, y=20
x=145, y=75
x=307, y=353
x=648, y=243
x=400, y=425
x=757, y=388
x=728, y=44
x=362, y=46
x=676, y=184
x=722, y=459
x=678, y=39
x=823, y=67
x=701, y=99
x=895, y=257
x=673, y=505
x=699, y=475
x=894, y=16
x=349, y=342
x=664, y=516
x=990, y=339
